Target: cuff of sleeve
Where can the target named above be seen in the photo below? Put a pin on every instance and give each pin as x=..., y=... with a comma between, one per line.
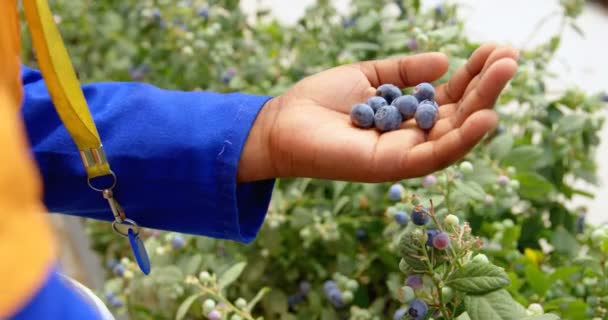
x=244, y=206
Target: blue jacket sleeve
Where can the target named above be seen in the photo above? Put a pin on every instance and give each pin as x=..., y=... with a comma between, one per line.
x=175, y=154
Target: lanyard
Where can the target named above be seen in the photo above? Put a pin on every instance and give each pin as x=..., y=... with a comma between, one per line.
x=70, y=103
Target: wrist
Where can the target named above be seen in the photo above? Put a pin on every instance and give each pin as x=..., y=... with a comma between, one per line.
x=256, y=158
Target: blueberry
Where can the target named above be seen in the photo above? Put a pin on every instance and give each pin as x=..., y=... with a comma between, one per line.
x=441, y=241
x=109, y=295
x=294, y=300
x=335, y=297
x=228, y=75
x=360, y=234
x=214, y=315
x=406, y=105
x=429, y=181
x=414, y=281
x=362, y=115
x=329, y=285
x=399, y=313
x=389, y=92
x=395, y=192
x=203, y=13
x=580, y=223
x=388, y=118
x=115, y=302
x=111, y=263
x=348, y=22
x=440, y=10
x=605, y=97
x=426, y=115
x=420, y=216
x=401, y=218
x=417, y=309
x=119, y=270
x=503, y=181
x=376, y=102
x=431, y=233
x=424, y=91
x=178, y=242
x=305, y=287
x=412, y=44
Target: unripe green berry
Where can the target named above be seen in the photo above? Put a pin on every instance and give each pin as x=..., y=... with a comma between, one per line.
x=451, y=220
x=204, y=277
x=406, y=294
x=347, y=297
x=208, y=305
x=236, y=317
x=447, y=294
x=480, y=258
x=240, y=303
x=466, y=167
x=514, y=184
x=352, y=285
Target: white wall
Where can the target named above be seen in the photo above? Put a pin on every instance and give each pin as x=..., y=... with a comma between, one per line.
x=580, y=61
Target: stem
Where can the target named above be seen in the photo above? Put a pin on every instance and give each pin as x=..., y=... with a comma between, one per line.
x=440, y=304
x=447, y=192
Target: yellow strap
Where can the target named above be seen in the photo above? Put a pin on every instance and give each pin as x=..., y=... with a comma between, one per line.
x=63, y=84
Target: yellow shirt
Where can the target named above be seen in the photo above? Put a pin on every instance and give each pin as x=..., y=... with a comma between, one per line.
x=27, y=247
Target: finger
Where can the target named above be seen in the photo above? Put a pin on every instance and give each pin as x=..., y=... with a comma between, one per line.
x=435, y=155
x=499, y=53
x=452, y=91
x=484, y=96
x=487, y=90
x=405, y=71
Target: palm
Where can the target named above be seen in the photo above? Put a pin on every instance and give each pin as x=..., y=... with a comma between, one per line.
x=313, y=136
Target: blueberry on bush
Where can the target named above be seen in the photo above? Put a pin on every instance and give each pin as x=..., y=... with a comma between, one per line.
x=362, y=115
x=214, y=315
x=395, y=192
x=178, y=242
x=401, y=218
x=389, y=92
x=431, y=233
x=387, y=118
x=441, y=241
x=420, y=216
x=376, y=102
x=424, y=91
x=417, y=309
x=399, y=313
x=426, y=115
x=503, y=181
x=406, y=105
x=429, y=181
x=414, y=281
x=119, y=269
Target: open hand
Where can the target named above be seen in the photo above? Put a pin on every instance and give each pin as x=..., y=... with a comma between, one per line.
x=307, y=132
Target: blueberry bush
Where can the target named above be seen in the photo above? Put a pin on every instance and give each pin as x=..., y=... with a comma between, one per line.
x=492, y=237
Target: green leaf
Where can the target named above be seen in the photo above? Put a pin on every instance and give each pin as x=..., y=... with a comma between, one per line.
x=478, y=278
x=343, y=201
x=564, y=242
x=363, y=46
x=534, y=186
x=185, y=306
x=464, y=316
x=501, y=146
x=193, y=264
x=569, y=124
x=537, y=279
x=563, y=273
x=231, y=274
x=497, y=305
x=548, y=316
x=523, y=157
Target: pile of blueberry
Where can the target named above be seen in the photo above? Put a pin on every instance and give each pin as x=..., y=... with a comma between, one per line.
x=389, y=107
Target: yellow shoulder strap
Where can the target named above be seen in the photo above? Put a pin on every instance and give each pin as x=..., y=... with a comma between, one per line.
x=70, y=103
x=63, y=85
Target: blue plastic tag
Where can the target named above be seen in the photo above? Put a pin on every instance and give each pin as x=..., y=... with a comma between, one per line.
x=139, y=251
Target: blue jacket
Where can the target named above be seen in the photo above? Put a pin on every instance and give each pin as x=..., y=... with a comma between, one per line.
x=175, y=154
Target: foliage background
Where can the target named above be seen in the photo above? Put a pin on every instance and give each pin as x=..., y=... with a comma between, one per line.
x=546, y=144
